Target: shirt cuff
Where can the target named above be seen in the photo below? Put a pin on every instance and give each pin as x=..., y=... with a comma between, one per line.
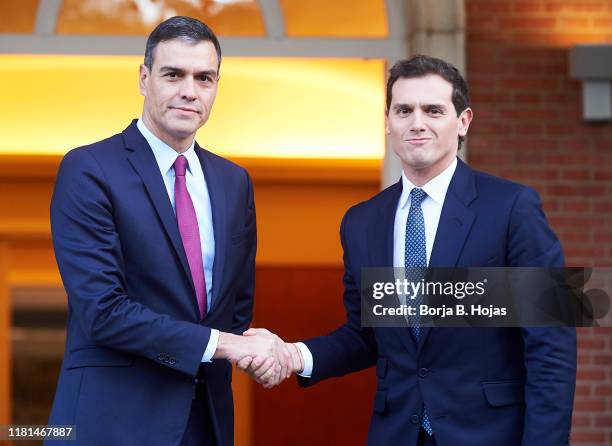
x=211, y=348
x=308, y=361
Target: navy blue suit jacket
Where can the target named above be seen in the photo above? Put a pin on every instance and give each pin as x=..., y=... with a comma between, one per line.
x=134, y=336
x=481, y=386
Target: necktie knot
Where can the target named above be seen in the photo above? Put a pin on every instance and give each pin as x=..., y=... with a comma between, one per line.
x=417, y=196
x=180, y=166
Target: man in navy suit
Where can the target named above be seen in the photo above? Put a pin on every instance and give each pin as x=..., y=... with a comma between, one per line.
x=155, y=240
x=446, y=386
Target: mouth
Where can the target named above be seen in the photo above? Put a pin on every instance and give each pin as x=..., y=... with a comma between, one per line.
x=418, y=141
x=185, y=109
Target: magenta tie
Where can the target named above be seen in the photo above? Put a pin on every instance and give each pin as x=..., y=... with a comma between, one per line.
x=190, y=232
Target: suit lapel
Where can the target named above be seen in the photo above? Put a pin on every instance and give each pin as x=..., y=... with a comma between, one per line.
x=456, y=220
x=142, y=159
x=216, y=191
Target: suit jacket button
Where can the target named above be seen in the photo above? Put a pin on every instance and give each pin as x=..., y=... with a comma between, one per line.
x=172, y=361
x=414, y=418
x=160, y=357
x=423, y=372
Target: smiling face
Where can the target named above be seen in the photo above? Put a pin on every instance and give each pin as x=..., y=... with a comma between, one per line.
x=179, y=90
x=424, y=127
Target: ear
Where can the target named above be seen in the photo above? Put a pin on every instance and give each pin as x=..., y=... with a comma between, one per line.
x=464, y=121
x=143, y=79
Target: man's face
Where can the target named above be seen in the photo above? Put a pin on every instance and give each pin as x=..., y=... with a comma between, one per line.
x=423, y=125
x=179, y=90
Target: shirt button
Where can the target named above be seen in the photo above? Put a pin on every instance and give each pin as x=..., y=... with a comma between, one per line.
x=414, y=418
x=423, y=372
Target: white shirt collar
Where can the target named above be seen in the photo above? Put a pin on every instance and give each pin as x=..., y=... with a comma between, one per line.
x=164, y=154
x=435, y=188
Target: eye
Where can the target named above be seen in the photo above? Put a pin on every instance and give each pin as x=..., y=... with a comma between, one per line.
x=435, y=111
x=402, y=110
x=205, y=78
x=171, y=75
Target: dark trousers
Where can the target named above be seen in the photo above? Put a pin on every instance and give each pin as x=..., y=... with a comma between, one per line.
x=425, y=439
x=199, y=431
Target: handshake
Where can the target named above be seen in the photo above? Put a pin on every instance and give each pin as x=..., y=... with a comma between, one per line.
x=262, y=355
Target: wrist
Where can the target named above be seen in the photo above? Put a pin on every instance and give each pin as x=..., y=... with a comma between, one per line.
x=300, y=364
x=225, y=345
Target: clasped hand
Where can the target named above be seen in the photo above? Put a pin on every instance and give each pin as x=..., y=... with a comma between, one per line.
x=263, y=355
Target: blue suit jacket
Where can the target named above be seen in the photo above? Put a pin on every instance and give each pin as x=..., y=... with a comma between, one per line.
x=481, y=386
x=134, y=339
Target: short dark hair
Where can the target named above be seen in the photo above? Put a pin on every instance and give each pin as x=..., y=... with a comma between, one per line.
x=180, y=27
x=420, y=66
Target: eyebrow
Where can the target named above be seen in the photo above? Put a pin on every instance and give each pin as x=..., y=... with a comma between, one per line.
x=423, y=106
x=166, y=69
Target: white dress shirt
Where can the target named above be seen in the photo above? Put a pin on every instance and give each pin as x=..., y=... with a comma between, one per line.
x=198, y=190
x=436, y=190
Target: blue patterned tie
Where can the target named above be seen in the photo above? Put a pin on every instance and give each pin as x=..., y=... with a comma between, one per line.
x=415, y=257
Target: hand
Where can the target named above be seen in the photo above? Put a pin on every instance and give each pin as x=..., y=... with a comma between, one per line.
x=257, y=368
x=261, y=369
x=272, y=360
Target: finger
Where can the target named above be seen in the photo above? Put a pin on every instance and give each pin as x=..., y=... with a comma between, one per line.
x=244, y=363
x=258, y=361
x=256, y=331
x=270, y=373
x=265, y=367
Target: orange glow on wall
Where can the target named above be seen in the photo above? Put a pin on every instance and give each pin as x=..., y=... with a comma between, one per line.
x=266, y=107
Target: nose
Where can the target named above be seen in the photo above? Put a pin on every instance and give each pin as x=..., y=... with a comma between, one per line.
x=417, y=125
x=187, y=90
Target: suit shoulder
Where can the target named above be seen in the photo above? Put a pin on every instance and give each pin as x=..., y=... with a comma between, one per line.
x=498, y=188
x=96, y=150
x=223, y=163
x=371, y=206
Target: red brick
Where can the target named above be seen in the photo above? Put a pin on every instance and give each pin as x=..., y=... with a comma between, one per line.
x=528, y=84
x=583, y=223
x=486, y=6
x=530, y=6
x=579, y=175
x=527, y=98
x=559, y=129
x=602, y=22
x=583, y=390
x=589, y=404
x=578, y=436
x=529, y=129
x=591, y=343
x=576, y=207
x=603, y=175
x=591, y=374
x=576, y=191
x=603, y=206
x=604, y=390
x=528, y=68
x=528, y=115
x=603, y=236
x=603, y=359
x=575, y=237
x=580, y=420
x=573, y=7
x=557, y=69
x=527, y=23
x=574, y=23
x=603, y=421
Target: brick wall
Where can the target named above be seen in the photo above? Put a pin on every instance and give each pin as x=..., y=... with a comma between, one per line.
x=528, y=128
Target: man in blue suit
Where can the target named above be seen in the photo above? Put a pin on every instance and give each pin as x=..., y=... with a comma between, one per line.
x=155, y=240
x=447, y=386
